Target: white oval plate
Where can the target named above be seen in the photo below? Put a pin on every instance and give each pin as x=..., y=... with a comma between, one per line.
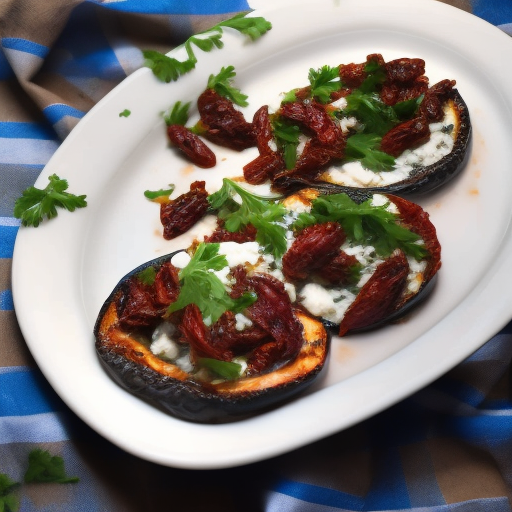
x=65, y=269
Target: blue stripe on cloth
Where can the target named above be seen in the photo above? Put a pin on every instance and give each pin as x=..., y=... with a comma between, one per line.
x=24, y=45
x=318, y=495
x=177, y=7
x=6, y=302
x=459, y=390
x=54, y=113
x=491, y=428
x=496, y=12
x=7, y=238
x=277, y=502
x=41, y=131
x=38, y=428
x=24, y=392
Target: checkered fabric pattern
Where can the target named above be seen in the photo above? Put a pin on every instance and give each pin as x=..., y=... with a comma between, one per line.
x=446, y=448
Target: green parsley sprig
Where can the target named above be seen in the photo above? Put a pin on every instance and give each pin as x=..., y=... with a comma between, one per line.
x=169, y=69
x=287, y=137
x=222, y=84
x=364, y=222
x=44, y=468
x=153, y=195
x=9, y=502
x=365, y=148
x=265, y=214
x=324, y=82
x=228, y=370
x=35, y=204
x=200, y=286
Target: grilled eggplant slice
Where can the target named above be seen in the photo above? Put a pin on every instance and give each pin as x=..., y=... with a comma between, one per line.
x=413, y=177
x=124, y=348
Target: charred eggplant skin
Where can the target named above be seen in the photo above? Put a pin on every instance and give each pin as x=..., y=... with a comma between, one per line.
x=131, y=365
x=422, y=181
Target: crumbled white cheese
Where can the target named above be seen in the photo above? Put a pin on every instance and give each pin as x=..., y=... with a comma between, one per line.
x=180, y=259
x=330, y=304
x=240, y=254
x=162, y=344
x=242, y=322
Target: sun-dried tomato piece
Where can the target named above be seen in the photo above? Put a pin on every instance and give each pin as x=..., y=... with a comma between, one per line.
x=167, y=284
x=226, y=336
x=263, y=130
x=263, y=168
x=179, y=215
x=192, y=146
x=393, y=92
x=418, y=220
x=378, y=298
x=224, y=124
x=312, y=248
x=353, y=75
x=273, y=312
x=247, y=234
x=137, y=306
x=404, y=69
x=263, y=358
x=435, y=97
x=339, y=270
x=405, y=136
x=197, y=335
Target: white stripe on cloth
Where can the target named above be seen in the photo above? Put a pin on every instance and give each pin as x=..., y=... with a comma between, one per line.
x=37, y=428
x=26, y=151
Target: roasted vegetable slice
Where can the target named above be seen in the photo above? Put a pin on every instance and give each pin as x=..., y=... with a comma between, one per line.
x=284, y=351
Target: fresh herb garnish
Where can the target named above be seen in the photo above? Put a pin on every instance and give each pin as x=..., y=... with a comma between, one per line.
x=169, y=69
x=200, y=286
x=265, y=214
x=178, y=114
x=364, y=147
x=287, y=137
x=364, y=223
x=43, y=468
x=324, y=82
x=155, y=194
x=225, y=369
x=147, y=276
x=222, y=84
x=35, y=204
x=8, y=501
x=125, y=113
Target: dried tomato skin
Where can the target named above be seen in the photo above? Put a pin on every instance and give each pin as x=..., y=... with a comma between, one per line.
x=167, y=284
x=432, y=105
x=248, y=234
x=406, y=135
x=192, y=146
x=224, y=124
x=312, y=248
x=404, y=70
x=179, y=215
x=263, y=130
x=137, y=308
x=379, y=297
x=263, y=167
x=392, y=92
x=339, y=270
x=273, y=312
x=263, y=358
x=197, y=335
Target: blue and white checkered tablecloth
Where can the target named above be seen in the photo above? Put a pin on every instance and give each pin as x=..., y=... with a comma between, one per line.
x=446, y=448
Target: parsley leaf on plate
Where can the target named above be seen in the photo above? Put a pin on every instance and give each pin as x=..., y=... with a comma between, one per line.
x=265, y=214
x=169, y=69
x=228, y=370
x=8, y=501
x=35, y=204
x=364, y=147
x=324, y=82
x=222, y=84
x=200, y=286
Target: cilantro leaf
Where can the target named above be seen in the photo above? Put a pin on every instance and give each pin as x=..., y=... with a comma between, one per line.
x=125, y=113
x=35, y=204
x=8, y=501
x=364, y=147
x=200, y=286
x=408, y=108
x=254, y=27
x=147, y=276
x=156, y=194
x=364, y=222
x=226, y=369
x=287, y=137
x=165, y=68
x=264, y=214
x=178, y=114
x=43, y=467
x=377, y=117
x=221, y=83
x=324, y=82
x=169, y=69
